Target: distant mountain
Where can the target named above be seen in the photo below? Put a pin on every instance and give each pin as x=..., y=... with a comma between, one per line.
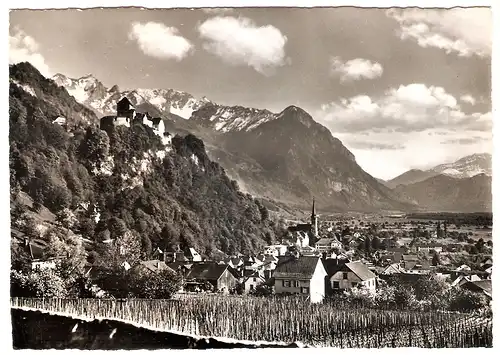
x=287, y=157
x=91, y=92
x=465, y=167
x=410, y=177
x=444, y=193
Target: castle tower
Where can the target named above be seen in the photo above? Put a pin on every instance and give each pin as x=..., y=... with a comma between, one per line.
x=314, y=221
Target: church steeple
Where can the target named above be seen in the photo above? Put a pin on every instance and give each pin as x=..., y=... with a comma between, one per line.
x=313, y=214
x=314, y=220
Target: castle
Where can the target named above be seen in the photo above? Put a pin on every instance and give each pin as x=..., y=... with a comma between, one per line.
x=126, y=114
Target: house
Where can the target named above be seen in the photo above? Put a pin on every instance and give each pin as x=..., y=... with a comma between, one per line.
x=153, y=266
x=392, y=269
x=251, y=279
x=427, y=247
x=353, y=274
x=174, y=256
x=480, y=286
x=192, y=255
x=219, y=276
x=463, y=268
x=180, y=267
x=235, y=262
x=462, y=279
x=303, y=275
x=47, y=264
x=328, y=244
x=298, y=238
x=60, y=121
x=308, y=251
x=276, y=250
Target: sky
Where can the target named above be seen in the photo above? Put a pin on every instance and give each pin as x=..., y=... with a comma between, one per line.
x=401, y=88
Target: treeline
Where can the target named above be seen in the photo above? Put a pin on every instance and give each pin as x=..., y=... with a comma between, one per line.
x=472, y=219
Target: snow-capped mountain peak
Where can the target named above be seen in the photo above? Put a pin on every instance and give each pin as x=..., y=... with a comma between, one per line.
x=232, y=118
x=91, y=92
x=466, y=167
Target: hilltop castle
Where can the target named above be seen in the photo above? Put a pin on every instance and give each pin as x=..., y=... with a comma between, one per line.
x=126, y=114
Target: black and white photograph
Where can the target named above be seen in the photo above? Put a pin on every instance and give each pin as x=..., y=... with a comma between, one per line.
x=250, y=177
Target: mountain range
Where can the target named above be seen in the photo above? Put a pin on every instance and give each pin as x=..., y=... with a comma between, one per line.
x=287, y=156
x=465, y=167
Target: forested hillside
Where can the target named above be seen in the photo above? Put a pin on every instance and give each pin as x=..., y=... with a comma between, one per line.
x=159, y=196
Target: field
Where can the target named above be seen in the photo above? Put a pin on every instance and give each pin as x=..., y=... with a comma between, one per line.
x=283, y=320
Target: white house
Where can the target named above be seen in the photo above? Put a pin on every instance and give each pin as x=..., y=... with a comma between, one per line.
x=353, y=274
x=327, y=244
x=60, y=121
x=300, y=275
x=276, y=250
x=252, y=279
x=193, y=255
x=49, y=264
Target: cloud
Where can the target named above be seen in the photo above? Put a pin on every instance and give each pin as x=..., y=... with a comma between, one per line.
x=24, y=48
x=413, y=107
x=462, y=31
x=359, y=144
x=239, y=41
x=468, y=99
x=159, y=41
x=463, y=140
x=412, y=150
x=355, y=69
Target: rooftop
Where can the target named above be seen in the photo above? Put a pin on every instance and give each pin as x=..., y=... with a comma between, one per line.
x=302, y=267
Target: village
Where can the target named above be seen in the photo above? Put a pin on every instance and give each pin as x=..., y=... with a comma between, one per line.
x=313, y=260
x=316, y=260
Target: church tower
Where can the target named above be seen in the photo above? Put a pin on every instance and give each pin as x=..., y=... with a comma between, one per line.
x=314, y=221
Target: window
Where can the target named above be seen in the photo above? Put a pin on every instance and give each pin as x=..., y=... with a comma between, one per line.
x=345, y=275
x=354, y=283
x=254, y=279
x=296, y=283
x=304, y=290
x=335, y=284
x=251, y=287
x=286, y=283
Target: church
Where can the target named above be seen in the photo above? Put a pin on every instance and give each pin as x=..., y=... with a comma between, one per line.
x=305, y=234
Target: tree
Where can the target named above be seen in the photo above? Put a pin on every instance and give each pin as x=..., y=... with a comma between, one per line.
x=436, y=259
x=67, y=248
x=368, y=245
x=66, y=218
x=38, y=283
x=146, y=284
x=95, y=146
x=376, y=243
x=465, y=300
x=170, y=236
x=480, y=245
